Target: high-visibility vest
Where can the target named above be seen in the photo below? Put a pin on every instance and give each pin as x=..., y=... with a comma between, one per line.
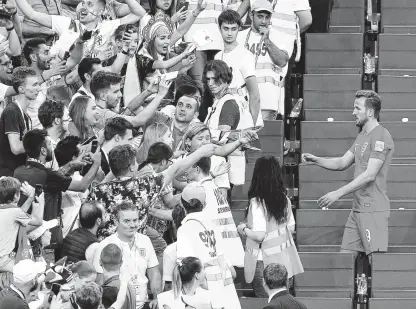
x=198, y=237
x=237, y=158
x=218, y=209
x=277, y=247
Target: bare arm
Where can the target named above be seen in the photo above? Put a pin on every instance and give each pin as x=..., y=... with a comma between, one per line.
x=305, y=20
x=254, y=97
x=39, y=17
x=243, y=8
x=81, y=186
x=162, y=214
x=137, y=12
x=76, y=56
x=337, y=164
x=37, y=211
x=16, y=145
x=171, y=200
x=155, y=279
x=167, y=64
x=138, y=101
x=279, y=56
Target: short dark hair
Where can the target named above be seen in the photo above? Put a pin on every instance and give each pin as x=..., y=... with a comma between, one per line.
x=89, y=213
x=121, y=158
x=229, y=17
x=32, y=46
x=49, y=111
x=116, y=126
x=118, y=34
x=204, y=164
x=66, y=149
x=102, y=80
x=9, y=187
x=85, y=67
x=33, y=141
x=124, y=206
x=372, y=100
x=19, y=76
x=275, y=276
x=111, y=257
x=220, y=69
x=89, y=296
x=83, y=269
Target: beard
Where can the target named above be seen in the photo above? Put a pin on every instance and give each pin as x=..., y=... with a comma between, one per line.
x=361, y=123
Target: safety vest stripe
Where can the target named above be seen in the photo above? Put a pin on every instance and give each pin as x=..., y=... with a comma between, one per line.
x=229, y=234
x=218, y=277
x=268, y=66
x=286, y=17
x=206, y=20
x=277, y=248
x=210, y=7
x=269, y=79
x=224, y=221
x=277, y=232
x=285, y=30
x=211, y=263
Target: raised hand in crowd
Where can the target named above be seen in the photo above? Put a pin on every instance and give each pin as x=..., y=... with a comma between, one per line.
x=179, y=16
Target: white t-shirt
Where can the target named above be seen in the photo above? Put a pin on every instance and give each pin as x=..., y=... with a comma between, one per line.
x=138, y=259
x=69, y=30
x=78, y=94
x=201, y=299
x=169, y=262
x=242, y=63
x=221, y=181
x=259, y=220
x=3, y=89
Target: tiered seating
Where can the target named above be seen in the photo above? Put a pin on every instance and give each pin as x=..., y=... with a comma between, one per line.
x=326, y=275
x=321, y=230
x=399, y=16
x=347, y=17
x=394, y=275
x=309, y=302
x=338, y=53
x=330, y=96
x=397, y=54
x=396, y=303
x=398, y=94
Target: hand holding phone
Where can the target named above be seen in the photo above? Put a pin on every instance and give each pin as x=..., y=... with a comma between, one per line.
x=86, y=35
x=38, y=190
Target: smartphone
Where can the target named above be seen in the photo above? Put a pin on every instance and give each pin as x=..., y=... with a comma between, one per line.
x=94, y=146
x=56, y=288
x=66, y=56
x=38, y=190
x=86, y=35
x=89, y=140
x=183, y=4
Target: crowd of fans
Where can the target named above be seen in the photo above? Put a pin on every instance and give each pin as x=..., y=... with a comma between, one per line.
x=123, y=129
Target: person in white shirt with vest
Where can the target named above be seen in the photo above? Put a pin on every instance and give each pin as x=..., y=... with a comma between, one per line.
x=272, y=49
x=218, y=210
x=198, y=237
x=244, y=82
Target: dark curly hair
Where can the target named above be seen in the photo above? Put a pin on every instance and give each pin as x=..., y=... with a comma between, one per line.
x=267, y=188
x=221, y=71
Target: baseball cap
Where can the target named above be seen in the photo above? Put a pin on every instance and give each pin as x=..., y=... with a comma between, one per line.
x=262, y=5
x=194, y=192
x=26, y=270
x=38, y=232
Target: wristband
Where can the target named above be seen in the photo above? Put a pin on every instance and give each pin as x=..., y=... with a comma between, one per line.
x=41, y=75
x=8, y=30
x=194, y=15
x=124, y=52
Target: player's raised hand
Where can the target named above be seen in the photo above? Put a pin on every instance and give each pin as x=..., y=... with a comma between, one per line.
x=308, y=159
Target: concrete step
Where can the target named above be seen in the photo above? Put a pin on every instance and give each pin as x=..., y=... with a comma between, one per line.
x=326, y=275
x=337, y=248
x=330, y=90
x=397, y=52
x=396, y=303
x=347, y=17
x=333, y=114
x=334, y=52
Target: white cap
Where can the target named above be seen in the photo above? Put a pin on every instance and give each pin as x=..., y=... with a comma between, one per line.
x=38, y=232
x=27, y=270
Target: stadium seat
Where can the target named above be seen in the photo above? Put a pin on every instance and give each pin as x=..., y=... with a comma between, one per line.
x=271, y=139
x=328, y=275
x=394, y=275
x=396, y=303
x=347, y=17
x=338, y=53
x=398, y=16
x=322, y=230
x=253, y=303
x=326, y=303
x=333, y=139
x=323, y=91
x=397, y=54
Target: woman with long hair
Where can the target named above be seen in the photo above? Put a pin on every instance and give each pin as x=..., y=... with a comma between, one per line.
x=188, y=277
x=157, y=132
x=270, y=224
x=85, y=115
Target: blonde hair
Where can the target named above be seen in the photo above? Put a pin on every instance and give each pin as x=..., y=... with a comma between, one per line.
x=193, y=130
x=77, y=112
x=153, y=134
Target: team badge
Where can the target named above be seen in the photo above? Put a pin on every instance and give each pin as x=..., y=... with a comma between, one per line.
x=368, y=235
x=142, y=252
x=379, y=146
x=364, y=148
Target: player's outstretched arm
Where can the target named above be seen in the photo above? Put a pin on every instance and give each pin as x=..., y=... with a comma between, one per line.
x=333, y=164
